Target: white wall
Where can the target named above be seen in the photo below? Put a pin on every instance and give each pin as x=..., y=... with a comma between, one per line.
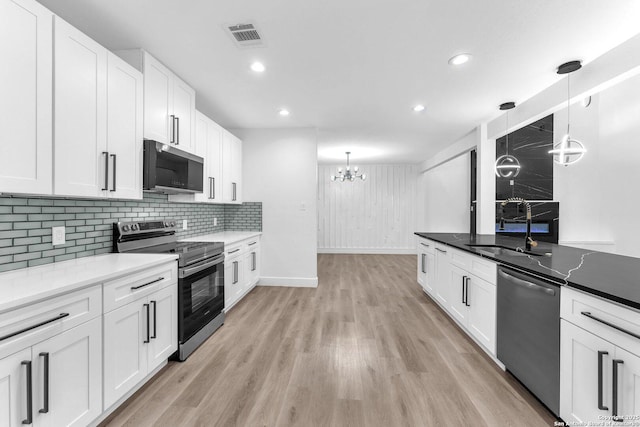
x=446, y=190
x=280, y=170
x=377, y=215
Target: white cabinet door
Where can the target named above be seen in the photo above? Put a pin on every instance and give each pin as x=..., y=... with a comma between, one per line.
x=233, y=280
x=164, y=319
x=227, y=167
x=628, y=384
x=26, y=102
x=158, y=101
x=236, y=173
x=125, y=353
x=124, y=129
x=422, y=267
x=252, y=265
x=481, y=317
x=579, y=358
x=80, y=120
x=443, y=277
x=213, y=161
x=184, y=110
x=430, y=275
x=457, y=291
x=75, y=376
x=13, y=388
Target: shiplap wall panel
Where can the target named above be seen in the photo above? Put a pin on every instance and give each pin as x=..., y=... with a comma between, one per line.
x=375, y=215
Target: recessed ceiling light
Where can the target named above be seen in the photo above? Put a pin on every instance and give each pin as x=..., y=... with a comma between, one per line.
x=258, y=67
x=283, y=112
x=418, y=108
x=460, y=59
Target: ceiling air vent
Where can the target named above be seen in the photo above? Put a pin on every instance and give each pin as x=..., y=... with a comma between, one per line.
x=245, y=35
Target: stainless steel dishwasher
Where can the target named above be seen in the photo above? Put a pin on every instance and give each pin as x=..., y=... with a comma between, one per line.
x=528, y=333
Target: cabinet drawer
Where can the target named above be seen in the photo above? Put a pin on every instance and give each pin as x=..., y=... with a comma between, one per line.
x=124, y=290
x=574, y=303
x=426, y=246
x=461, y=258
x=484, y=269
x=234, y=250
x=48, y=318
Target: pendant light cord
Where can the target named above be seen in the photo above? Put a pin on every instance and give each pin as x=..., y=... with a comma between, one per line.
x=568, y=103
x=507, y=132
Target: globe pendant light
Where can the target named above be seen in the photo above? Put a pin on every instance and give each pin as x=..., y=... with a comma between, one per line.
x=568, y=150
x=348, y=174
x=507, y=166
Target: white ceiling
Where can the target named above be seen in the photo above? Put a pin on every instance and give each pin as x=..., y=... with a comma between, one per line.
x=355, y=68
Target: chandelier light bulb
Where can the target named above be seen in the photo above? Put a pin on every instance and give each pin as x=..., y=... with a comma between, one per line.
x=348, y=174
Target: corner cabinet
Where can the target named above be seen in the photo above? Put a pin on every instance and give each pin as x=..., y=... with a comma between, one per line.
x=241, y=270
x=26, y=45
x=599, y=362
x=98, y=119
x=169, y=103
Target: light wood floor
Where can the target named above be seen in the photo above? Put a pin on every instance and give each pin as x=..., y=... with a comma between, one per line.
x=366, y=348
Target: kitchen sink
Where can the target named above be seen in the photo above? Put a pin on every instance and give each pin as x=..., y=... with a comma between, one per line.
x=503, y=250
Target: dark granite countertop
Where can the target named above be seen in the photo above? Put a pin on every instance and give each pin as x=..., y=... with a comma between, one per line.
x=615, y=277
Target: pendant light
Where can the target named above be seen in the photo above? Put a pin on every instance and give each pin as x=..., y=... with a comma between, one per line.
x=568, y=150
x=348, y=174
x=507, y=166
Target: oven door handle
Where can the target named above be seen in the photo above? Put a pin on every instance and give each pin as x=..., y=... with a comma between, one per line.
x=186, y=272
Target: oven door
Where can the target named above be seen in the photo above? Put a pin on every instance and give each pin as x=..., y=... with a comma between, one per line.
x=200, y=296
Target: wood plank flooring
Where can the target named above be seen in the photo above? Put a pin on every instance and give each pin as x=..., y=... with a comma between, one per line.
x=366, y=348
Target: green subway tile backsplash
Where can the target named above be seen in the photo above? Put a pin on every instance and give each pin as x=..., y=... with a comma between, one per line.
x=25, y=224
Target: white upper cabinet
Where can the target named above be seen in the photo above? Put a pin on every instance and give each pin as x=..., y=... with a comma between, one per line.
x=124, y=128
x=80, y=157
x=169, y=103
x=26, y=100
x=231, y=168
x=98, y=119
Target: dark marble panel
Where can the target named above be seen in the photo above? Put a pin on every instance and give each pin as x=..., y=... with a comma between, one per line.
x=530, y=145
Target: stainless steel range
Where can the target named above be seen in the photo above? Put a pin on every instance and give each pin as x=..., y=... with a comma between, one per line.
x=200, y=277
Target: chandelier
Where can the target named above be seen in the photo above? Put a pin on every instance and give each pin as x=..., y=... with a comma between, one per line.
x=348, y=174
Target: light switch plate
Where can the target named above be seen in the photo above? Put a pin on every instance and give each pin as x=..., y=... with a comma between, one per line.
x=184, y=224
x=58, y=236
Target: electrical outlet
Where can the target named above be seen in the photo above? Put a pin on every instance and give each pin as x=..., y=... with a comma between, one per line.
x=184, y=224
x=215, y=221
x=58, y=236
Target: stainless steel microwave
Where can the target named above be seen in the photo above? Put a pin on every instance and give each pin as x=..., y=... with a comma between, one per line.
x=169, y=170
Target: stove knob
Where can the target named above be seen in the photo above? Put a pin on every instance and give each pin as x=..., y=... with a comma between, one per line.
x=125, y=228
x=173, y=223
x=166, y=224
x=134, y=227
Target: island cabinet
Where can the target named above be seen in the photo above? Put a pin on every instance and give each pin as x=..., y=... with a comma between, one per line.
x=51, y=361
x=599, y=359
x=26, y=111
x=464, y=285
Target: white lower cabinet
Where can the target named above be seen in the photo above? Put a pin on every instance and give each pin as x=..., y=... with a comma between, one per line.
x=241, y=270
x=56, y=382
x=464, y=285
x=599, y=362
x=138, y=337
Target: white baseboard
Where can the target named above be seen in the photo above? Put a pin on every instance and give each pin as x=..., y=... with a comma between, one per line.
x=291, y=282
x=380, y=251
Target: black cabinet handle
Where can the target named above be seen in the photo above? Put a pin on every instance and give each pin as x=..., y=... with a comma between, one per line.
x=114, y=172
x=422, y=261
x=252, y=243
x=604, y=322
x=106, y=171
x=614, y=394
x=234, y=191
x=153, y=303
x=45, y=404
x=146, y=306
x=424, y=244
x=213, y=187
x=441, y=250
x=177, y=130
x=173, y=129
x=29, y=418
x=600, y=403
x=464, y=301
x=133, y=288
x=234, y=251
x=466, y=288
x=235, y=272
x=253, y=261
x=13, y=334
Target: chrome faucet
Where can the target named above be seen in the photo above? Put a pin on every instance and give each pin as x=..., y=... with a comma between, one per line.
x=528, y=241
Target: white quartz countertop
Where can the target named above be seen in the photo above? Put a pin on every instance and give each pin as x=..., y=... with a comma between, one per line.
x=226, y=237
x=29, y=285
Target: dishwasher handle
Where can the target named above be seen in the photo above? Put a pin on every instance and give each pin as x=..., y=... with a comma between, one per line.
x=525, y=283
